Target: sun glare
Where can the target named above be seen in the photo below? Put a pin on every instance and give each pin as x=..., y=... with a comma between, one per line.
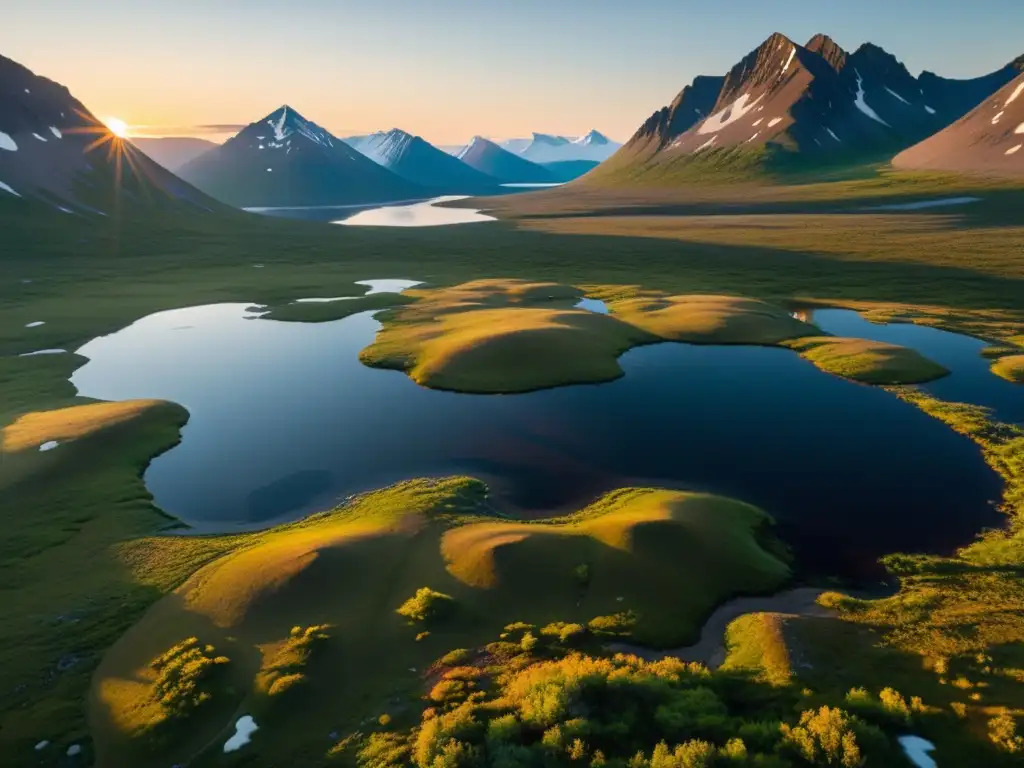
x=117, y=126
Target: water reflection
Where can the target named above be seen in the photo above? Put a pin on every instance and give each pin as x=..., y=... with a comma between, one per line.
x=425, y=214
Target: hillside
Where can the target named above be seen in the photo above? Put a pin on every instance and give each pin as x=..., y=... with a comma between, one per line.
x=285, y=160
x=54, y=150
x=418, y=161
x=987, y=141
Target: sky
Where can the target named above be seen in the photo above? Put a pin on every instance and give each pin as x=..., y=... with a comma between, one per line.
x=451, y=69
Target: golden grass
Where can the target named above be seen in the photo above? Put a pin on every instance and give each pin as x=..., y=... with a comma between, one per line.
x=755, y=642
x=870, y=362
x=710, y=319
x=1010, y=367
x=34, y=429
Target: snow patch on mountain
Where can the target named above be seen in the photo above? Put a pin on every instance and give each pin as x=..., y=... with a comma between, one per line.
x=774, y=121
x=6, y=142
x=1013, y=96
x=862, y=105
x=1014, y=150
x=728, y=115
x=9, y=189
x=56, y=131
x=789, y=61
x=891, y=91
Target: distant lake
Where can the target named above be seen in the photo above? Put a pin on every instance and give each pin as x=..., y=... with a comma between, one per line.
x=422, y=214
x=285, y=421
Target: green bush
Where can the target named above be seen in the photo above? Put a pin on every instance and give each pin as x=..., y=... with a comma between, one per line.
x=184, y=676
x=564, y=631
x=425, y=605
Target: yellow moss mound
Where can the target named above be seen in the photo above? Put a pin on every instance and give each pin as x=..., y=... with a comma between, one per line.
x=756, y=643
x=490, y=336
x=711, y=319
x=1010, y=367
x=34, y=429
x=871, y=362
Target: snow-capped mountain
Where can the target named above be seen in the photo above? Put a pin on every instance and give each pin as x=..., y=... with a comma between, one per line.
x=487, y=157
x=286, y=160
x=988, y=141
x=815, y=100
x=52, y=148
x=415, y=159
x=549, y=148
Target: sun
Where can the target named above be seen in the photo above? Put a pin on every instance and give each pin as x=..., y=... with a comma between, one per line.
x=117, y=126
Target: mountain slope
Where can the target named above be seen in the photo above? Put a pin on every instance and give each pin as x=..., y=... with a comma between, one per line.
x=285, y=160
x=785, y=102
x=172, y=152
x=487, y=157
x=52, y=148
x=989, y=140
x=413, y=158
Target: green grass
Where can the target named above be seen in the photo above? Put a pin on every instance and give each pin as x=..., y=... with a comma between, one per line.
x=668, y=556
x=870, y=362
x=756, y=644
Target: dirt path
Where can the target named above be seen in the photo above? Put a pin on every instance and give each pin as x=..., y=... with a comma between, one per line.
x=710, y=649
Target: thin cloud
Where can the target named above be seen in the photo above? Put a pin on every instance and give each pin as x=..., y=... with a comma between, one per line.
x=186, y=130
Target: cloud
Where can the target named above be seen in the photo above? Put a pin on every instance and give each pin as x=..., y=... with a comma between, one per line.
x=186, y=130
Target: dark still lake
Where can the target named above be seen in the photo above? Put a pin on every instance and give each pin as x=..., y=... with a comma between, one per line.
x=285, y=421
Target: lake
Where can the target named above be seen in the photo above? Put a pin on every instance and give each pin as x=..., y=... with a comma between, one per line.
x=285, y=421
x=422, y=214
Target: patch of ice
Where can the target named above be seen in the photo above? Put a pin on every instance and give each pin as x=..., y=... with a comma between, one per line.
x=929, y=110
x=74, y=749
x=862, y=105
x=941, y=203
x=890, y=90
x=35, y=324
x=1013, y=96
x=43, y=352
x=1014, y=150
x=729, y=114
x=790, y=59
x=6, y=188
x=996, y=118
x=49, y=445
x=706, y=144
x=916, y=749
x=38, y=137
x=244, y=728
x=6, y=142
x=774, y=121
x=757, y=122
x=42, y=745
x=56, y=132
x=833, y=134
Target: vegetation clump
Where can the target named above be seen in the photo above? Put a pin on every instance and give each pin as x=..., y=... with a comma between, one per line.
x=870, y=362
x=426, y=605
x=185, y=677
x=1010, y=367
x=285, y=666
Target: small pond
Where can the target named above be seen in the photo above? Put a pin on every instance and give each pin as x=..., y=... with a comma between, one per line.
x=971, y=379
x=285, y=421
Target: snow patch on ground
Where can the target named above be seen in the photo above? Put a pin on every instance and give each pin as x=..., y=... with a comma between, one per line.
x=270, y=170
x=6, y=142
x=1013, y=96
x=43, y=352
x=1019, y=128
x=774, y=121
x=56, y=132
x=35, y=324
x=996, y=118
x=38, y=137
x=833, y=134
x=916, y=749
x=758, y=122
x=49, y=445
x=1014, y=150
x=42, y=745
x=929, y=110
x=244, y=729
x=890, y=90
x=753, y=137
x=6, y=188
x=74, y=749
x=728, y=115
x=706, y=144
x=862, y=105
x=942, y=203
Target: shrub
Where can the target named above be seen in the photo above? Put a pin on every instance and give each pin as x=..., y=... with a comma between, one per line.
x=384, y=750
x=528, y=643
x=454, y=658
x=1002, y=730
x=564, y=631
x=184, y=676
x=503, y=729
x=615, y=625
x=582, y=574
x=285, y=668
x=691, y=754
x=425, y=605
x=422, y=636
x=824, y=737
x=894, y=703
x=447, y=691
x=433, y=742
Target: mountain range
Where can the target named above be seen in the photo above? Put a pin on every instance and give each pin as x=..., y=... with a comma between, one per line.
x=416, y=160
x=548, y=148
x=285, y=160
x=53, y=149
x=487, y=157
x=813, y=101
x=988, y=140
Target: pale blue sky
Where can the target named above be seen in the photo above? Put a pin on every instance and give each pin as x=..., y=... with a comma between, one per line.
x=449, y=69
